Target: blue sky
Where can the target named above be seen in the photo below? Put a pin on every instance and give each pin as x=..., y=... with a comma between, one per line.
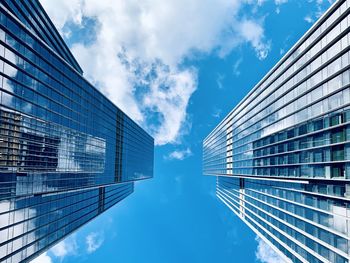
x=177, y=68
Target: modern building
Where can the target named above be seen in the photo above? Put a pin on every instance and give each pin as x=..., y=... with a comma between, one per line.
x=282, y=155
x=67, y=153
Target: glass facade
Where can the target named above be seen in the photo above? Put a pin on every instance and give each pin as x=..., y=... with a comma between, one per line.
x=67, y=153
x=307, y=222
x=282, y=155
x=31, y=224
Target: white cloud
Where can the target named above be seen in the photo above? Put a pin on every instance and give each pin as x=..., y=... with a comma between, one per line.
x=60, y=250
x=179, y=154
x=236, y=65
x=66, y=247
x=137, y=56
x=266, y=254
x=65, y=10
x=320, y=7
x=216, y=112
x=219, y=79
x=280, y=2
x=255, y=2
x=308, y=19
x=254, y=34
x=93, y=242
x=43, y=258
x=168, y=96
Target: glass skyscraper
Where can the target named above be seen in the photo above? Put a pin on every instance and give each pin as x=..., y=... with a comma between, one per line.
x=282, y=155
x=67, y=153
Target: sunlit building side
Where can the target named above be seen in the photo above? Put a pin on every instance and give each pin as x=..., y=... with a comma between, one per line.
x=282, y=155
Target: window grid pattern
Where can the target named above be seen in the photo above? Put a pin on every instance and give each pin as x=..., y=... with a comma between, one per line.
x=32, y=15
x=315, y=227
x=35, y=82
x=67, y=153
x=322, y=92
x=282, y=155
x=35, y=223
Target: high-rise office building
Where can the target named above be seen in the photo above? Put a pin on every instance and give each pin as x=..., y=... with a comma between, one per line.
x=282, y=155
x=67, y=153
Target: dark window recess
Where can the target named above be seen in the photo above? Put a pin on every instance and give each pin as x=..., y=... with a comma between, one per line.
x=337, y=170
x=303, y=129
x=338, y=153
x=338, y=135
x=337, y=119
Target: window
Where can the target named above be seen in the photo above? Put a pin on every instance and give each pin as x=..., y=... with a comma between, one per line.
x=338, y=135
x=336, y=119
x=318, y=124
x=303, y=129
x=335, y=101
x=338, y=155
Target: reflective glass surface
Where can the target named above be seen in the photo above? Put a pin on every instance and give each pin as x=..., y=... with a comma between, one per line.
x=34, y=223
x=59, y=126
x=303, y=221
x=67, y=153
x=282, y=155
x=303, y=103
